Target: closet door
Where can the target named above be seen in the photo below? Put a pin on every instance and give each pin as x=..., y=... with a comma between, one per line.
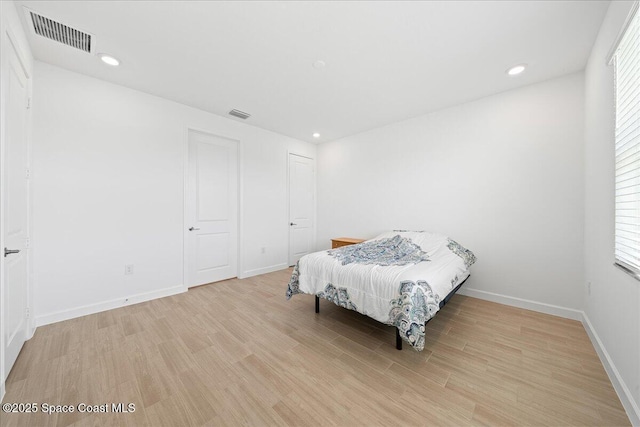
x=212, y=209
x=301, y=207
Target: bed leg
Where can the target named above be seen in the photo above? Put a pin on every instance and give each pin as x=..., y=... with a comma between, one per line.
x=317, y=304
x=398, y=340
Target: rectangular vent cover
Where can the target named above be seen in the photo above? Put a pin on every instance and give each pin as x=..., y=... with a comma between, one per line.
x=61, y=33
x=240, y=114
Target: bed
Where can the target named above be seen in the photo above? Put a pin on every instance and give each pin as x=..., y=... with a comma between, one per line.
x=399, y=278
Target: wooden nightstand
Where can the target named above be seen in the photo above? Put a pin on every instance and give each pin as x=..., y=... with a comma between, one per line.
x=344, y=241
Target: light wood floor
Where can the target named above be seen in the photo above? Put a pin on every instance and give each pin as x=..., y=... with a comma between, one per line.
x=236, y=352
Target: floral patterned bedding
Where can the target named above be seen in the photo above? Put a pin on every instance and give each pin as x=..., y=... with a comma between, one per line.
x=398, y=278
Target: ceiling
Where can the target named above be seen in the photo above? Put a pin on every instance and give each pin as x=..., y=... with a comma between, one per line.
x=385, y=61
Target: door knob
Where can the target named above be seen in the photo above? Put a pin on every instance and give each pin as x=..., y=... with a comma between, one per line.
x=10, y=251
x=193, y=228
x=292, y=224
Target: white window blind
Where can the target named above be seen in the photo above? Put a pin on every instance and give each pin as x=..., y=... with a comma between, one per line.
x=627, y=137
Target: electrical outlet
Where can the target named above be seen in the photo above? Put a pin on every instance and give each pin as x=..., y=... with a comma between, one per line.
x=263, y=250
x=128, y=269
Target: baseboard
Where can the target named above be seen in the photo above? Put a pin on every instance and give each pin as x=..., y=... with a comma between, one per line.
x=85, y=310
x=264, y=270
x=540, y=307
x=629, y=404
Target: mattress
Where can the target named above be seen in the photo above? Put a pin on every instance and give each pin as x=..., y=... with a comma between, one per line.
x=398, y=278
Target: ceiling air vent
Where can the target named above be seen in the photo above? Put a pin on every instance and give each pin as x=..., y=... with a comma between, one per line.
x=61, y=33
x=240, y=114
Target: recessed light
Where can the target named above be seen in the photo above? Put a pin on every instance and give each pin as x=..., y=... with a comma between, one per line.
x=516, y=69
x=108, y=59
x=316, y=135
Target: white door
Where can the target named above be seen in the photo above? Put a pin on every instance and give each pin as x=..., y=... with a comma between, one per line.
x=15, y=198
x=212, y=209
x=301, y=207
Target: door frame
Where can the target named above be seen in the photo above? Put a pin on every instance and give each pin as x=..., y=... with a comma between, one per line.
x=315, y=203
x=185, y=225
x=9, y=42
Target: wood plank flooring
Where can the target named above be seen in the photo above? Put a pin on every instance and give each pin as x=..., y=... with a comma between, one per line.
x=236, y=352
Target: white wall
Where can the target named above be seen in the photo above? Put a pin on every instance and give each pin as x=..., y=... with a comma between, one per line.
x=108, y=191
x=11, y=33
x=502, y=175
x=613, y=307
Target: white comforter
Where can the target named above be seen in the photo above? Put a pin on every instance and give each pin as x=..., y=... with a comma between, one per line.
x=398, y=278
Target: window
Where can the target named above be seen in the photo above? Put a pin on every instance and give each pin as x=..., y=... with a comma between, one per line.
x=626, y=61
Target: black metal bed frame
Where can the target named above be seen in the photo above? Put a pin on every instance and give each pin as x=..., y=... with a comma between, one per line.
x=398, y=338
